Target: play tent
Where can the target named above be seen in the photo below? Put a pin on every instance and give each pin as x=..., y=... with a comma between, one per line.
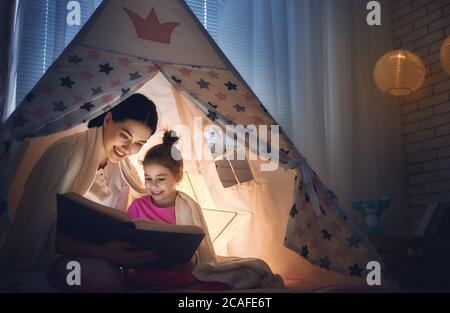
x=286, y=215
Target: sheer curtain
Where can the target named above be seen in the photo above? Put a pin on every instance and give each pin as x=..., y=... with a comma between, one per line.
x=310, y=62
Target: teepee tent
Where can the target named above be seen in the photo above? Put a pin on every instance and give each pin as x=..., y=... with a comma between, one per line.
x=284, y=215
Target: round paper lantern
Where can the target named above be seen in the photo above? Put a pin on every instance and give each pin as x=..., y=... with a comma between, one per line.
x=445, y=55
x=399, y=73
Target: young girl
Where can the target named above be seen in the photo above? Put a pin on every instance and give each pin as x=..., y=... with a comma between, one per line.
x=163, y=168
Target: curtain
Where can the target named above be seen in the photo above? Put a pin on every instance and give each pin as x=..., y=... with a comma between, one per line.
x=310, y=62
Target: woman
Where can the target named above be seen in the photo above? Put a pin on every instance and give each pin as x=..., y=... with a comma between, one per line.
x=93, y=164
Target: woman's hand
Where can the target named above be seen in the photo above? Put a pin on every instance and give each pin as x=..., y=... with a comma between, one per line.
x=120, y=253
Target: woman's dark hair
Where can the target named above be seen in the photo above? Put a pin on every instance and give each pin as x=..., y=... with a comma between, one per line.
x=165, y=154
x=136, y=107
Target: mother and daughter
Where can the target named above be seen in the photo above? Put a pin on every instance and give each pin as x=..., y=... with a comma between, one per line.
x=95, y=164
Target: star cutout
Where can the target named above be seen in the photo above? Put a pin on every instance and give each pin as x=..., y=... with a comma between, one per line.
x=353, y=241
x=231, y=86
x=185, y=71
x=293, y=211
x=203, y=84
x=239, y=108
x=212, y=105
x=59, y=106
x=135, y=75
x=86, y=75
x=87, y=106
x=125, y=91
x=355, y=270
x=325, y=263
x=304, y=253
x=75, y=59
x=212, y=115
x=221, y=96
x=326, y=235
x=105, y=68
x=96, y=91
x=124, y=61
x=213, y=75
x=66, y=82
x=19, y=121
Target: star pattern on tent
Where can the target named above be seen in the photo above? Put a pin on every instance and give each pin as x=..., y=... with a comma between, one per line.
x=66, y=82
x=353, y=241
x=46, y=89
x=212, y=115
x=221, y=96
x=19, y=121
x=304, y=252
x=175, y=79
x=29, y=97
x=125, y=91
x=115, y=83
x=124, y=61
x=231, y=86
x=74, y=59
x=87, y=106
x=239, y=108
x=293, y=212
x=185, y=71
x=59, y=106
x=78, y=99
x=326, y=235
x=107, y=98
x=93, y=54
x=355, y=270
x=213, y=75
x=40, y=112
x=96, y=91
x=203, y=84
x=86, y=75
x=105, y=68
x=325, y=263
x=212, y=105
x=153, y=68
x=135, y=75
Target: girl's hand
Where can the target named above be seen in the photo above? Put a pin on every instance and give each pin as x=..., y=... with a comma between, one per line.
x=120, y=253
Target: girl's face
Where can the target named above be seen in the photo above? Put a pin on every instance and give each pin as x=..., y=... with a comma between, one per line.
x=122, y=139
x=161, y=184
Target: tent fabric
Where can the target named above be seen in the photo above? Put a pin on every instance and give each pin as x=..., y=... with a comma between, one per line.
x=113, y=57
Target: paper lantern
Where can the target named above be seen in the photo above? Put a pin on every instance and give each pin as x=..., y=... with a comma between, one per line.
x=399, y=73
x=445, y=55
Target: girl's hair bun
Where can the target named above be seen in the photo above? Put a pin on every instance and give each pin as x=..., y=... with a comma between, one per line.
x=170, y=138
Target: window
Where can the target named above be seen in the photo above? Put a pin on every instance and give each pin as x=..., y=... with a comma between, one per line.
x=43, y=36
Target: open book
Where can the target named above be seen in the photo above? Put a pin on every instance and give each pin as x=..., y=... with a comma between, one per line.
x=90, y=222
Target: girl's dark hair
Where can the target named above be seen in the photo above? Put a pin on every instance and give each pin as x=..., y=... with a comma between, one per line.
x=165, y=154
x=136, y=107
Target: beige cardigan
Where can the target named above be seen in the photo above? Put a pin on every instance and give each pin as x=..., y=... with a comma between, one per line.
x=70, y=165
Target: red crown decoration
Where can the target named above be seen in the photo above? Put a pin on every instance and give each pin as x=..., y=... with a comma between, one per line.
x=151, y=28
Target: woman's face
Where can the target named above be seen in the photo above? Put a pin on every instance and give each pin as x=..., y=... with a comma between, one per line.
x=122, y=139
x=160, y=182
